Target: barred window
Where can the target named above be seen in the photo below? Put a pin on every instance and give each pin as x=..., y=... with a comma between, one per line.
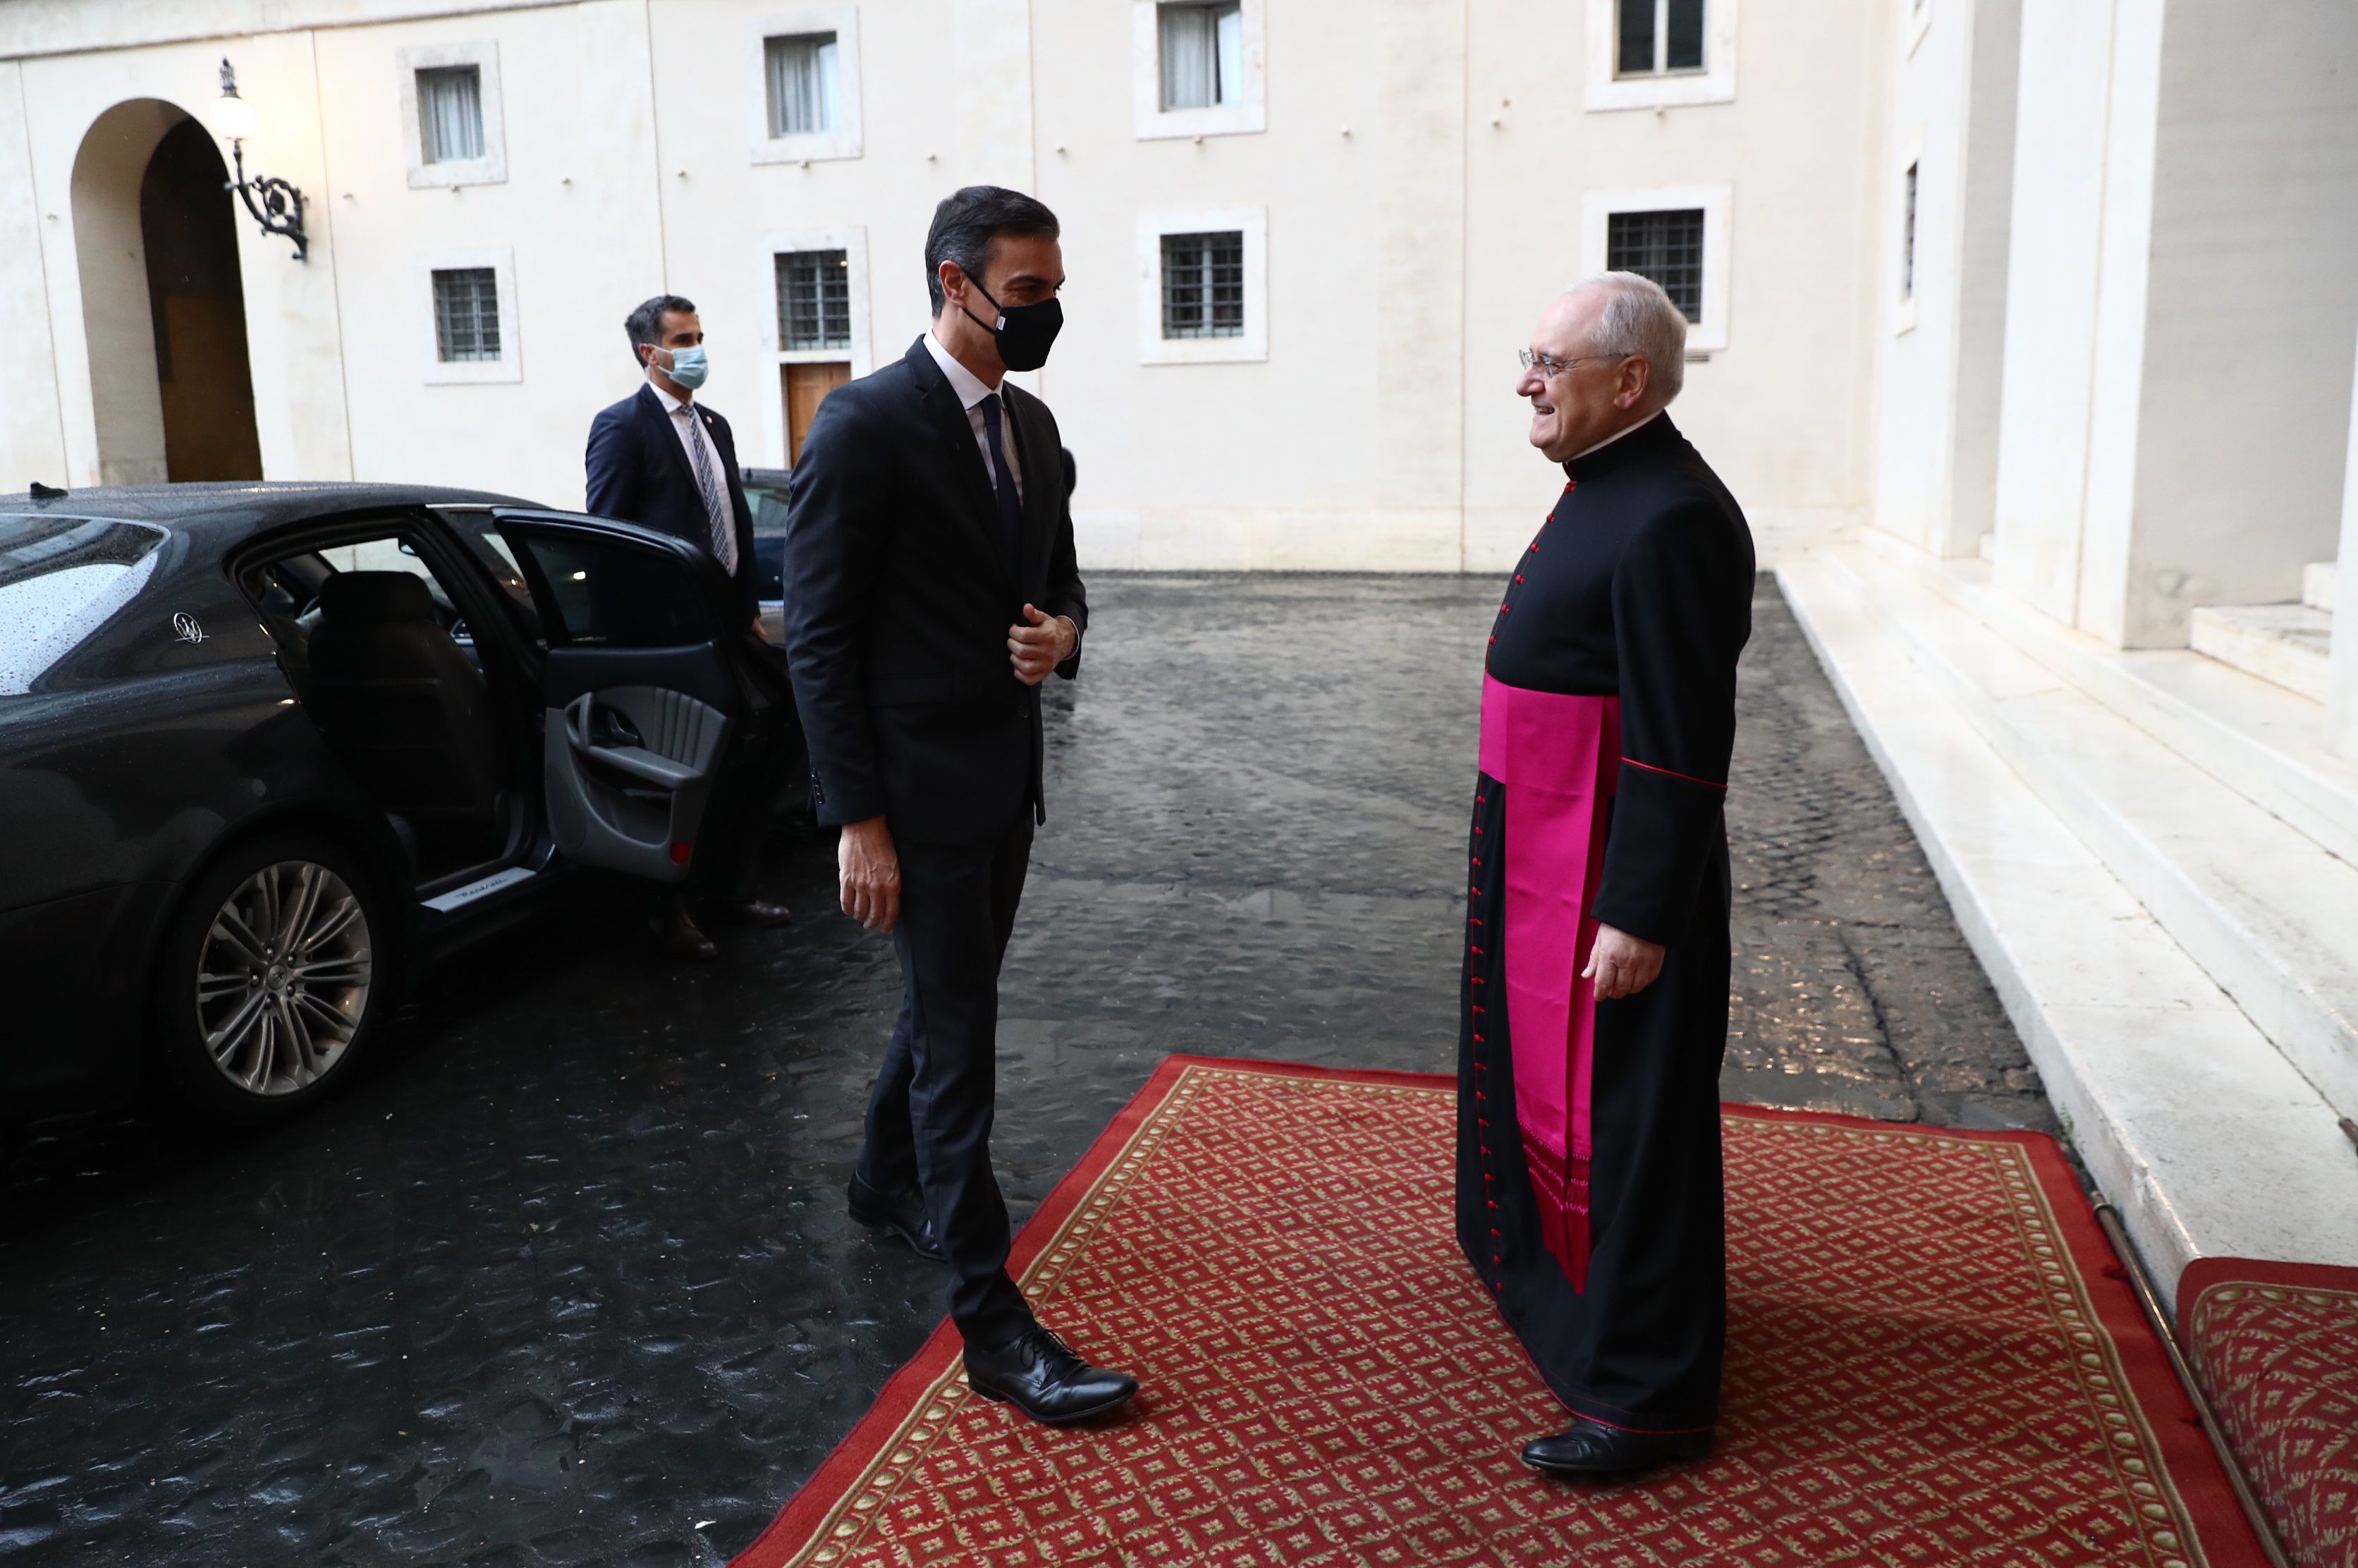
x=1664, y=246
x=803, y=84
x=1658, y=38
x=814, y=299
x=450, y=114
x=466, y=314
x=1908, y=238
x=1204, y=284
x=1203, y=52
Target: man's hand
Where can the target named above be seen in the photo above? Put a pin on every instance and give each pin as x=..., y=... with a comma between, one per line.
x=1622, y=965
x=1038, y=643
x=764, y=636
x=869, y=870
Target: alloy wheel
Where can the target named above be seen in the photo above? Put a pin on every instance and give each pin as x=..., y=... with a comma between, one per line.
x=283, y=978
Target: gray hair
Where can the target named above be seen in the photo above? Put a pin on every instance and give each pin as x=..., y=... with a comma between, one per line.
x=1638, y=319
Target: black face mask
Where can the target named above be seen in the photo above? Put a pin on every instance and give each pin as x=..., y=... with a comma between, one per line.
x=1025, y=332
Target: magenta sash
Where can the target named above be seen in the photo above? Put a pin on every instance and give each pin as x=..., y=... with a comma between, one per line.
x=1559, y=757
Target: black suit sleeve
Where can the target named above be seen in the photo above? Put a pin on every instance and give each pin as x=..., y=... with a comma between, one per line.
x=613, y=466
x=1679, y=625
x=839, y=505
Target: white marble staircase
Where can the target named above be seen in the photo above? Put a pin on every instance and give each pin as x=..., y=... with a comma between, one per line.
x=2285, y=644
x=2156, y=857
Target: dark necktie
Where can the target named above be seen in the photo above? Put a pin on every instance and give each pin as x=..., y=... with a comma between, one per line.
x=1010, y=501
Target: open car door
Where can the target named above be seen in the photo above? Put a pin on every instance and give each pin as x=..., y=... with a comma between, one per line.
x=640, y=688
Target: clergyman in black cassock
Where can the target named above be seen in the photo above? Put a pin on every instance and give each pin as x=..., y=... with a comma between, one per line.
x=1589, y=1196
x=930, y=587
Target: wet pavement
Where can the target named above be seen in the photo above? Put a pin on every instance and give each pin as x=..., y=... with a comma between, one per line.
x=565, y=1278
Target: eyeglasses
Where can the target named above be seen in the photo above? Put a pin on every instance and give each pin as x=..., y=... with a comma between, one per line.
x=1549, y=365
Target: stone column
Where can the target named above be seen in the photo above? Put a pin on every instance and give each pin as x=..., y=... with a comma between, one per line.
x=2341, y=689
x=2177, y=378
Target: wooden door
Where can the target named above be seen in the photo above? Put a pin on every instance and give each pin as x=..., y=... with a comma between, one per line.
x=806, y=387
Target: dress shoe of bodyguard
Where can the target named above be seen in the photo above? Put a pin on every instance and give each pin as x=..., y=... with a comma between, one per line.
x=1589, y=1448
x=1040, y=1375
x=897, y=1214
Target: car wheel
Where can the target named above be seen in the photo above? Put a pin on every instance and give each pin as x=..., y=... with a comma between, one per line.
x=271, y=979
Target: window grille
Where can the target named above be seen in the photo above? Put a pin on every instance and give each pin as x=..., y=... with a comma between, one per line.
x=803, y=89
x=1204, y=285
x=1203, y=49
x=450, y=114
x=814, y=299
x=1907, y=240
x=1658, y=38
x=467, y=314
x=1664, y=246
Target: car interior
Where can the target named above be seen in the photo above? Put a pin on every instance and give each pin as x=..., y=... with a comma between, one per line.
x=383, y=662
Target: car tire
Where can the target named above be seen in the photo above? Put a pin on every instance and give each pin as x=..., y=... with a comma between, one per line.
x=271, y=979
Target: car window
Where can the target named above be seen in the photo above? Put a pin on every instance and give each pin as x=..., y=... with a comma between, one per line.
x=61, y=579
x=478, y=531
x=613, y=593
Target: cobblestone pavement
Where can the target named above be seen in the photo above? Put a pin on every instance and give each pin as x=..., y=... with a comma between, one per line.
x=566, y=1278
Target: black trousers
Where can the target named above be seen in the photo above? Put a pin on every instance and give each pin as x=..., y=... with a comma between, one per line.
x=736, y=825
x=929, y=1118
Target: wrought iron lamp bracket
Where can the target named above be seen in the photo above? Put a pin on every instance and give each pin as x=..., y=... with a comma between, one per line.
x=275, y=203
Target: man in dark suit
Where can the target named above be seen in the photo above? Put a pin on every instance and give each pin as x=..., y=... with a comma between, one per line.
x=931, y=587
x=663, y=460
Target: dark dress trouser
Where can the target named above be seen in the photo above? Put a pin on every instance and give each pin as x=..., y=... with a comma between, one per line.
x=929, y=1118
x=736, y=826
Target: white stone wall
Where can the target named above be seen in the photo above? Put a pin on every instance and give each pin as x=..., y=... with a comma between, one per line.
x=1420, y=181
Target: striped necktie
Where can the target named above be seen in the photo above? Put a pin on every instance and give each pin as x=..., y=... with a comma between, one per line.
x=717, y=511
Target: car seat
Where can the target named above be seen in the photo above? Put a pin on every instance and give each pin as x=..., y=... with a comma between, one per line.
x=403, y=707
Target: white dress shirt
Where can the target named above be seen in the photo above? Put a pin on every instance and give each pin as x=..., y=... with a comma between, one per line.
x=690, y=431
x=970, y=394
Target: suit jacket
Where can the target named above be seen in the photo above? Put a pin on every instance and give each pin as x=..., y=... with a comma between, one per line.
x=898, y=603
x=638, y=474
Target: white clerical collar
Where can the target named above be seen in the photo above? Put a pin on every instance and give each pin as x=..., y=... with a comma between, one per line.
x=963, y=381
x=1625, y=430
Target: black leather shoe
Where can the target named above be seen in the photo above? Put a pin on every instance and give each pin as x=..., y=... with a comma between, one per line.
x=1040, y=1375
x=899, y=1214
x=675, y=936
x=1590, y=1448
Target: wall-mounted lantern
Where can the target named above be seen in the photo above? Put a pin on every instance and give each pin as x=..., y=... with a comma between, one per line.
x=276, y=204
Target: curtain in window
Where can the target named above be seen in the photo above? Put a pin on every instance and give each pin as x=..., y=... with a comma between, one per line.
x=450, y=114
x=802, y=85
x=1191, y=55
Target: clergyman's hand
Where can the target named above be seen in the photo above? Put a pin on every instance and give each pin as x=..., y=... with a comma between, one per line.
x=1038, y=643
x=1622, y=965
x=869, y=868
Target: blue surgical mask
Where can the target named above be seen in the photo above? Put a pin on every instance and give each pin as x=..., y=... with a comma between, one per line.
x=687, y=367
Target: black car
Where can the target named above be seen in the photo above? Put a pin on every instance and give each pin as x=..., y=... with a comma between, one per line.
x=766, y=494
x=268, y=750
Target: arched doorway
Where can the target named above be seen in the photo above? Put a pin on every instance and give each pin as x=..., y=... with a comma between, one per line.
x=163, y=304
x=197, y=303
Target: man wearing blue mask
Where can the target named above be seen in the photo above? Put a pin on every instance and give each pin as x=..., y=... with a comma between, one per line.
x=663, y=460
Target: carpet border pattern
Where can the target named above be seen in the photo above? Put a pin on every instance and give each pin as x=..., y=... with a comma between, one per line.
x=2159, y=1452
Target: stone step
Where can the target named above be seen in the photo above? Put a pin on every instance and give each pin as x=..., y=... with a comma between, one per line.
x=2270, y=914
x=2281, y=642
x=2267, y=744
x=2317, y=581
x=2190, y=1119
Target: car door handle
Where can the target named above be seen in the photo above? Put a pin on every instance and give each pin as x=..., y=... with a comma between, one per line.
x=635, y=761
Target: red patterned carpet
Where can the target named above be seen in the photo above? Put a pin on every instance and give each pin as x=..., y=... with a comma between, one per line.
x=1929, y=1364
x=2275, y=1345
